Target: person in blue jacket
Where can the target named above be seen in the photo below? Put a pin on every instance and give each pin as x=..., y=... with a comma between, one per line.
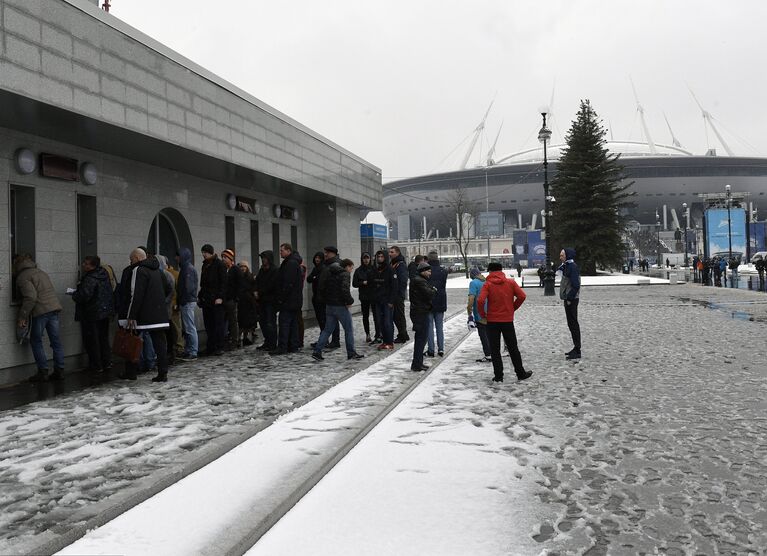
x=569, y=292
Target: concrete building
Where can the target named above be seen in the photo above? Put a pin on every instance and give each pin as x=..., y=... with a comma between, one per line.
x=110, y=140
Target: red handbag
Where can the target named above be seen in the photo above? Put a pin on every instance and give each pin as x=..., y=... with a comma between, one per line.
x=127, y=345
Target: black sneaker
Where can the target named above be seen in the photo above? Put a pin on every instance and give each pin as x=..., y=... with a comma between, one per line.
x=497, y=379
x=57, y=374
x=317, y=355
x=161, y=377
x=41, y=376
x=278, y=351
x=573, y=355
x=186, y=357
x=402, y=340
x=333, y=346
x=441, y=353
x=426, y=353
x=355, y=356
x=485, y=359
x=525, y=376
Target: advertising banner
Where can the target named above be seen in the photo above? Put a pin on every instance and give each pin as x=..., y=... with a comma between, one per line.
x=720, y=234
x=758, y=234
x=520, y=245
x=537, y=248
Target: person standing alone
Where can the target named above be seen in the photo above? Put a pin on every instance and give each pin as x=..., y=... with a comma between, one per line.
x=569, y=292
x=421, y=298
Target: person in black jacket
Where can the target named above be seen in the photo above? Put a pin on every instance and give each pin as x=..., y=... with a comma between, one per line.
x=412, y=268
x=338, y=300
x=329, y=257
x=400, y=294
x=384, y=292
x=438, y=279
x=94, y=308
x=211, y=299
x=186, y=299
x=421, y=295
x=314, y=279
x=363, y=281
x=247, y=310
x=147, y=309
x=231, y=297
x=266, y=295
x=290, y=300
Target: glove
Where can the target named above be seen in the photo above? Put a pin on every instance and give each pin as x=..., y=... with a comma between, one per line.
x=470, y=324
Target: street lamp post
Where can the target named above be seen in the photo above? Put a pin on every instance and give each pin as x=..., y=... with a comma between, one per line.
x=686, y=225
x=657, y=249
x=548, y=276
x=729, y=224
x=487, y=216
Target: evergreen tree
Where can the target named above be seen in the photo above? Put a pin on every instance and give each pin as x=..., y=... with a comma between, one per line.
x=590, y=194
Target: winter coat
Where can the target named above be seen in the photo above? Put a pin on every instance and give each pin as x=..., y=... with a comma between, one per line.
x=123, y=292
x=323, y=277
x=93, y=297
x=503, y=297
x=267, y=281
x=170, y=282
x=438, y=279
x=247, y=306
x=364, y=273
x=212, y=282
x=234, y=283
x=337, y=286
x=570, y=284
x=422, y=294
x=384, y=283
x=412, y=269
x=400, y=271
x=291, y=295
x=36, y=290
x=147, y=305
x=188, y=281
x=314, y=276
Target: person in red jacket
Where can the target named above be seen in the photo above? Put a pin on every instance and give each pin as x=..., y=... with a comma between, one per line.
x=503, y=297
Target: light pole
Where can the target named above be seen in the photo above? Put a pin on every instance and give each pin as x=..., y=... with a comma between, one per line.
x=686, y=225
x=487, y=216
x=548, y=276
x=657, y=225
x=729, y=223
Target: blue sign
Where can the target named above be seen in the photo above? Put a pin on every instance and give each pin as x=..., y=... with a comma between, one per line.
x=758, y=236
x=536, y=248
x=520, y=245
x=374, y=231
x=722, y=232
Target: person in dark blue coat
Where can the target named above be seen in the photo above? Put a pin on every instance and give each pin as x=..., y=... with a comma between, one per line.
x=186, y=299
x=94, y=307
x=438, y=279
x=384, y=293
x=290, y=299
x=399, y=267
x=569, y=292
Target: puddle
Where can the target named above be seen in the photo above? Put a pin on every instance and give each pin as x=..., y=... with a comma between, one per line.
x=739, y=315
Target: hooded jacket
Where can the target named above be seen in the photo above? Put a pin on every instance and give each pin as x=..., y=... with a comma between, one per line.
x=364, y=273
x=291, y=295
x=36, y=289
x=422, y=294
x=337, y=286
x=267, y=280
x=212, y=282
x=314, y=276
x=438, y=279
x=570, y=285
x=147, y=304
x=503, y=297
x=384, y=281
x=400, y=272
x=93, y=297
x=188, y=282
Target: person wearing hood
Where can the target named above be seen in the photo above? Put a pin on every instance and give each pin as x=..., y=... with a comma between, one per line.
x=384, y=292
x=475, y=321
x=329, y=257
x=186, y=298
x=569, y=292
x=499, y=298
x=211, y=299
x=338, y=300
x=39, y=311
x=290, y=299
x=400, y=293
x=438, y=279
x=363, y=281
x=422, y=294
x=266, y=296
x=313, y=278
x=147, y=307
x=170, y=332
x=94, y=307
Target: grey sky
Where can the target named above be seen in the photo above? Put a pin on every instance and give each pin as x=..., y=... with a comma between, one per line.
x=402, y=83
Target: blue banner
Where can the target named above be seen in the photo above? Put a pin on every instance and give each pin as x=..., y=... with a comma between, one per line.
x=723, y=231
x=536, y=248
x=520, y=245
x=758, y=237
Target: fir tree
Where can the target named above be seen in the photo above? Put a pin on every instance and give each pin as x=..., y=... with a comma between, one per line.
x=590, y=194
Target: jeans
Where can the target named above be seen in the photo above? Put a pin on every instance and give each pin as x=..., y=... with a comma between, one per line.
x=190, y=329
x=50, y=323
x=267, y=318
x=494, y=332
x=213, y=317
x=320, y=311
x=571, y=312
x=289, y=340
x=335, y=314
x=421, y=329
x=384, y=314
x=482, y=332
x=148, y=359
x=436, y=320
x=96, y=343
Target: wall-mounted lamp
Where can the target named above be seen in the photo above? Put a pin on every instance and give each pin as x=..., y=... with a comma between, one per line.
x=25, y=161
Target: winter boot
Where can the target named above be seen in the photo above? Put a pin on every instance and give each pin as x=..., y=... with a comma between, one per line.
x=41, y=376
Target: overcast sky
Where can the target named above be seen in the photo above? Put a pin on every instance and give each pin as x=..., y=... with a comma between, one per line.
x=403, y=83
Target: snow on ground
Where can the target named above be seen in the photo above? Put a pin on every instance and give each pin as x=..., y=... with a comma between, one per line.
x=530, y=280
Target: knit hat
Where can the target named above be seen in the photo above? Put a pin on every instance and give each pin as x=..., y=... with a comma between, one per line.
x=207, y=248
x=228, y=253
x=331, y=249
x=423, y=266
x=474, y=272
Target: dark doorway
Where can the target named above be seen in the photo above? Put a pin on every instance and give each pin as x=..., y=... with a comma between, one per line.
x=87, y=232
x=254, y=247
x=229, y=232
x=276, y=242
x=173, y=235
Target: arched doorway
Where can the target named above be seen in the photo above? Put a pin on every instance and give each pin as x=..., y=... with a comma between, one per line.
x=173, y=234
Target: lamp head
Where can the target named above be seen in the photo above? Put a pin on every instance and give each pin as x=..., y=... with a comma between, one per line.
x=727, y=188
x=544, y=134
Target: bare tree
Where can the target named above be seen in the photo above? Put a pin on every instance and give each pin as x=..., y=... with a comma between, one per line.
x=460, y=212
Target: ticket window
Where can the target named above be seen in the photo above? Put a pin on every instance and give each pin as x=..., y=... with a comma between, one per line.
x=21, y=222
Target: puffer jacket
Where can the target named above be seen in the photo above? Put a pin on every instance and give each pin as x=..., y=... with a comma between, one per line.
x=291, y=295
x=93, y=297
x=421, y=295
x=36, y=290
x=503, y=297
x=336, y=286
x=147, y=304
x=364, y=273
x=267, y=280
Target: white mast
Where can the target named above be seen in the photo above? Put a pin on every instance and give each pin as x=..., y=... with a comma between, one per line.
x=647, y=136
x=707, y=118
x=477, y=133
x=674, y=140
x=491, y=152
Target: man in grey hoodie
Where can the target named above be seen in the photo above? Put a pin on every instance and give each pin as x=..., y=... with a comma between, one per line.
x=569, y=292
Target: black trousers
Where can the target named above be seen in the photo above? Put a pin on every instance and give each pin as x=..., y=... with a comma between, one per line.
x=494, y=332
x=399, y=319
x=366, y=310
x=319, y=312
x=421, y=329
x=571, y=311
x=215, y=321
x=96, y=343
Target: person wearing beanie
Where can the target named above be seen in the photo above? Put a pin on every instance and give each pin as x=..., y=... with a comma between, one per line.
x=211, y=299
x=499, y=298
x=329, y=257
x=569, y=293
x=438, y=279
x=421, y=296
x=234, y=285
x=475, y=321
